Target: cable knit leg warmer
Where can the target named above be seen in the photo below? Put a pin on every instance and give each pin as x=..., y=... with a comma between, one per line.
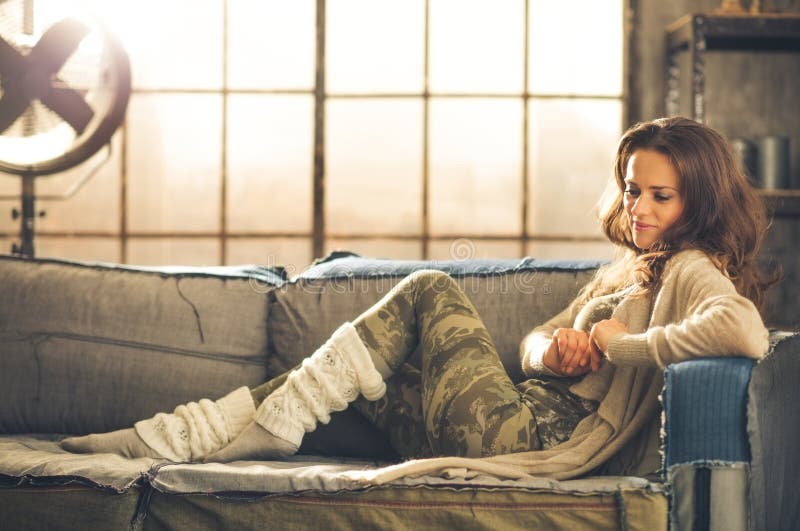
x=197, y=429
x=188, y=434
x=327, y=381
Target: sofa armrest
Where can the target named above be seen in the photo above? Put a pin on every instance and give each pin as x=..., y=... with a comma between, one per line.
x=773, y=424
x=706, y=448
x=705, y=411
x=731, y=431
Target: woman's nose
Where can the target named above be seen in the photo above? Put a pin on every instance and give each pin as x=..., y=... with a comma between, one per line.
x=640, y=206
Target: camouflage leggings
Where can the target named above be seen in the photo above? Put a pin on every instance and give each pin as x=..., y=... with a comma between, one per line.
x=461, y=402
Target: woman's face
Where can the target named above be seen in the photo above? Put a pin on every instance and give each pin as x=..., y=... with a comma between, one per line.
x=652, y=196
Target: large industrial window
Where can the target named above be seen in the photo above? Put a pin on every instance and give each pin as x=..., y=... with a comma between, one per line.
x=271, y=132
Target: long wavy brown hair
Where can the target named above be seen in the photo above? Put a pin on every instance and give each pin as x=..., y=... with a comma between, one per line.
x=722, y=216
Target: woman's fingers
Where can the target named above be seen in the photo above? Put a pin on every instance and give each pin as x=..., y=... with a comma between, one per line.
x=596, y=356
x=567, y=346
x=577, y=352
x=584, y=347
x=576, y=345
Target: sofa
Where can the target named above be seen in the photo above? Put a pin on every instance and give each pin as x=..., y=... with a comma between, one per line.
x=91, y=347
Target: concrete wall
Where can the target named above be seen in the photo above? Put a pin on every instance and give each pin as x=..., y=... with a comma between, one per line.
x=748, y=94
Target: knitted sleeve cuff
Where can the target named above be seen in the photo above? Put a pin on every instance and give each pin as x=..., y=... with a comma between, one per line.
x=538, y=368
x=629, y=350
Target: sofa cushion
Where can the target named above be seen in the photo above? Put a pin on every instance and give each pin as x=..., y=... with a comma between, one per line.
x=92, y=347
x=39, y=460
x=411, y=509
x=44, y=487
x=319, y=493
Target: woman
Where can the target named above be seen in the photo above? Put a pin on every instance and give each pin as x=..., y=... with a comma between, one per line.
x=688, y=227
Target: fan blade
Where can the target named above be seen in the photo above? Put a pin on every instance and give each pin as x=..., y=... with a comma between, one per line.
x=12, y=63
x=70, y=105
x=56, y=45
x=12, y=105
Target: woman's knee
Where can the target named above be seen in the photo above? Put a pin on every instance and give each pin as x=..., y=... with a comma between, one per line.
x=423, y=279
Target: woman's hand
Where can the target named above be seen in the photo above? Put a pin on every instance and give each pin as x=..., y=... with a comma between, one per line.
x=572, y=353
x=603, y=331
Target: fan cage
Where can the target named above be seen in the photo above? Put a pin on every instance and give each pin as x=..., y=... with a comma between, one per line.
x=40, y=142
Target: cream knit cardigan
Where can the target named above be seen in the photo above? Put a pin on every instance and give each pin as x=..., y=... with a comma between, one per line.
x=696, y=312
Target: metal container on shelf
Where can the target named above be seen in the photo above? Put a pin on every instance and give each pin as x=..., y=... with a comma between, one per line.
x=773, y=162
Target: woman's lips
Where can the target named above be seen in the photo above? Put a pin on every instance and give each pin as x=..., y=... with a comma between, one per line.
x=641, y=226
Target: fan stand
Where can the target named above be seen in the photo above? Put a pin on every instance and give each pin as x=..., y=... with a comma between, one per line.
x=25, y=248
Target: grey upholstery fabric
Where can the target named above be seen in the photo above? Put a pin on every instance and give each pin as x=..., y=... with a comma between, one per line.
x=774, y=429
x=401, y=508
x=725, y=497
x=67, y=508
x=92, y=348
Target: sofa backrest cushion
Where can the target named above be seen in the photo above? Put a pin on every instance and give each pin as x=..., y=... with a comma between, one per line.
x=512, y=297
x=91, y=347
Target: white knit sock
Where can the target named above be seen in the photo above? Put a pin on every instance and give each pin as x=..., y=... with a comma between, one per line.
x=197, y=429
x=327, y=381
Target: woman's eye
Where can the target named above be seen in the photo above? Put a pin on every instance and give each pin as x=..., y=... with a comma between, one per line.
x=662, y=198
x=630, y=191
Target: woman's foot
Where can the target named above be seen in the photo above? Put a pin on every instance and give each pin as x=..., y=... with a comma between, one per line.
x=123, y=442
x=253, y=443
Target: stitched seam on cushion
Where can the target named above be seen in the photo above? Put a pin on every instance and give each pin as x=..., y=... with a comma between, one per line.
x=599, y=506
x=249, y=360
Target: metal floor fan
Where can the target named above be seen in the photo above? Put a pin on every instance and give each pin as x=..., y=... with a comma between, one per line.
x=63, y=93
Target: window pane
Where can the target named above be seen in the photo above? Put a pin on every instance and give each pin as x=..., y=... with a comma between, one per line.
x=174, y=162
x=477, y=46
x=175, y=44
x=270, y=141
x=392, y=249
x=271, y=44
x=468, y=249
x=375, y=46
x=374, y=166
x=570, y=160
x=575, y=47
x=475, y=166
x=293, y=254
x=167, y=251
x=570, y=250
x=95, y=206
x=84, y=249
